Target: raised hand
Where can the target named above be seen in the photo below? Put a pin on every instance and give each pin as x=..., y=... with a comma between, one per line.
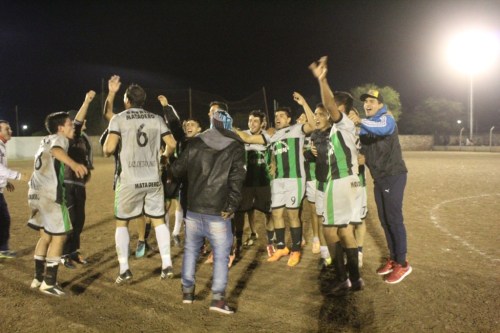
x=89, y=96
x=114, y=84
x=163, y=100
x=298, y=98
x=319, y=68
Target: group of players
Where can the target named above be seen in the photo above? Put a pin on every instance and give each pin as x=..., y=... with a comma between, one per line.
x=317, y=158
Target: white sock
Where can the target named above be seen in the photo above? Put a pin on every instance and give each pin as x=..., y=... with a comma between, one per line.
x=324, y=253
x=315, y=239
x=122, y=240
x=163, y=240
x=179, y=218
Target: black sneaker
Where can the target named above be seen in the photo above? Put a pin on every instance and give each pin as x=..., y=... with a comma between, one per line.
x=8, y=254
x=358, y=285
x=78, y=258
x=167, y=273
x=67, y=262
x=188, y=298
x=221, y=306
x=125, y=277
x=340, y=288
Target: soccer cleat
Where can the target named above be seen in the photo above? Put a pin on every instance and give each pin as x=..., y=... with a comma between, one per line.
x=54, y=290
x=316, y=246
x=177, y=241
x=188, y=298
x=125, y=277
x=340, y=288
x=67, y=262
x=360, y=259
x=251, y=240
x=78, y=258
x=167, y=273
x=221, y=306
x=270, y=250
x=35, y=284
x=8, y=254
x=141, y=249
x=324, y=263
x=358, y=285
x=278, y=254
x=386, y=268
x=398, y=273
x=294, y=258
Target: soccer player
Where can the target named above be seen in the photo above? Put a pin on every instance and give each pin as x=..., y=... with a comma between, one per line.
x=257, y=186
x=288, y=185
x=382, y=151
x=5, y=175
x=79, y=150
x=46, y=198
x=341, y=189
x=138, y=189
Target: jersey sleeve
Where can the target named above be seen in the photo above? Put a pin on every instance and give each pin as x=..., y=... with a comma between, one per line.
x=164, y=130
x=60, y=142
x=114, y=126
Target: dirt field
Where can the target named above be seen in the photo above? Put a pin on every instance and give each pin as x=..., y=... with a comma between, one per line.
x=452, y=209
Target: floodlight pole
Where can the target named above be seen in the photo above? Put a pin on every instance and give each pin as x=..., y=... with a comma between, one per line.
x=460, y=137
x=491, y=134
x=471, y=105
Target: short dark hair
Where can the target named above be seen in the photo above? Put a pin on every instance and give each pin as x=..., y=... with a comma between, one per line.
x=222, y=106
x=344, y=98
x=4, y=122
x=285, y=109
x=257, y=113
x=196, y=121
x=136, y=95
x=54, y=120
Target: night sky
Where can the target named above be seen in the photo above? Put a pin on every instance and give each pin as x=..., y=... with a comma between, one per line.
x=52, y=52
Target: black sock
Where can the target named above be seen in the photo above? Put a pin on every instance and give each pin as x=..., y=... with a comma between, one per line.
x=270, y=236
x=352, y=263
x=148, y=231
x=296, y=238
x=39, y=269
x=51, y=272
x=338, y=262
x=280, y=238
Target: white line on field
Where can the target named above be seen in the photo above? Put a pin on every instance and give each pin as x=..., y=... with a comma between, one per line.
x=435, y=221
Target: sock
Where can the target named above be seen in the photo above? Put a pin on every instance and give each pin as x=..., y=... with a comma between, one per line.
x=163, y=240
x=239, y=237
x=338, y=261
x=39, y=267
x=122, y=240
x=270, y=236
x=178, y=222
x=147, y=231
x=296, y=238
x=280, y=238
x=51, y=271
x=360, y=248
x=315, y=239
x=352, y=264
x=324, y=253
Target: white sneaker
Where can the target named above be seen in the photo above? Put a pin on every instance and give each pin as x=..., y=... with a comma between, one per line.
x=35, y=284
x=54, y=290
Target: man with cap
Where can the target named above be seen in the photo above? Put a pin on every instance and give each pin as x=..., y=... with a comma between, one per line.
x=382, y=151
x=214, y=164
x=80, y=150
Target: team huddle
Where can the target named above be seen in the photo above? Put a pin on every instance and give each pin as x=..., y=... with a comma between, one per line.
x=216, y=177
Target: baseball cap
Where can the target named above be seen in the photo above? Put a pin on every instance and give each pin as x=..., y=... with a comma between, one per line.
x=373, y=94
x=221, y=119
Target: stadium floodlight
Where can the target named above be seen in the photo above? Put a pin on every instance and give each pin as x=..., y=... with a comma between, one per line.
x=472, y=51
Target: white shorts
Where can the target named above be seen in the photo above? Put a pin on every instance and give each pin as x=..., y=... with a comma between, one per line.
x=359, y=213
x=339, y=201
x=134, y=200
x=256, y=197
x=287, y=192
x=48, y=215
x=311, y=191
x=320, y=194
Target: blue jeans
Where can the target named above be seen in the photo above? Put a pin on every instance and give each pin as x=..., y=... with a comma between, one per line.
x=389, y=199
x=218, y=232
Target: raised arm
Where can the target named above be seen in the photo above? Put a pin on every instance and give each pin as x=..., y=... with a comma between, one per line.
x=113, y=87
x=319, y=70
x=309, y=125
x=249, y=138
x=173, y=119
x=82, y=113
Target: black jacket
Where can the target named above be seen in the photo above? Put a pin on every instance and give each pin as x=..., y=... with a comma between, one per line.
x=214, y=164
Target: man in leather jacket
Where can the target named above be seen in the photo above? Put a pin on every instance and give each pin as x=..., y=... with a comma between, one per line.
x=214, y=164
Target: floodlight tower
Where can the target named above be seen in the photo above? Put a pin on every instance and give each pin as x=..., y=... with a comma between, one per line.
x=472, y=51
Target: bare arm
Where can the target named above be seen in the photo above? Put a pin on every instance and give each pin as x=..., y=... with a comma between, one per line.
x=319, y=70
x=82, y=113
x=309, y=125
x=110, y=144
x=113, y=87
x=248, y=138
x=169, y=145
x=61, y=155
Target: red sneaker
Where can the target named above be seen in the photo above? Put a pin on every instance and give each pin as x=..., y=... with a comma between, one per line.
x=398, y=273
x=386, y=268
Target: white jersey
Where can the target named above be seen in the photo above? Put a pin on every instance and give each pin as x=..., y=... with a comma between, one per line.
x=141, y=135
x=5, y=172
x=47, y=179
x=343, y=150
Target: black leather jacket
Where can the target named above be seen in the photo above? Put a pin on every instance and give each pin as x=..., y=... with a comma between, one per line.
x=214, y=164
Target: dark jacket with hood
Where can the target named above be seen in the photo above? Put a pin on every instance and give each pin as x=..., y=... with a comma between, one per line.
x=214, y=164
